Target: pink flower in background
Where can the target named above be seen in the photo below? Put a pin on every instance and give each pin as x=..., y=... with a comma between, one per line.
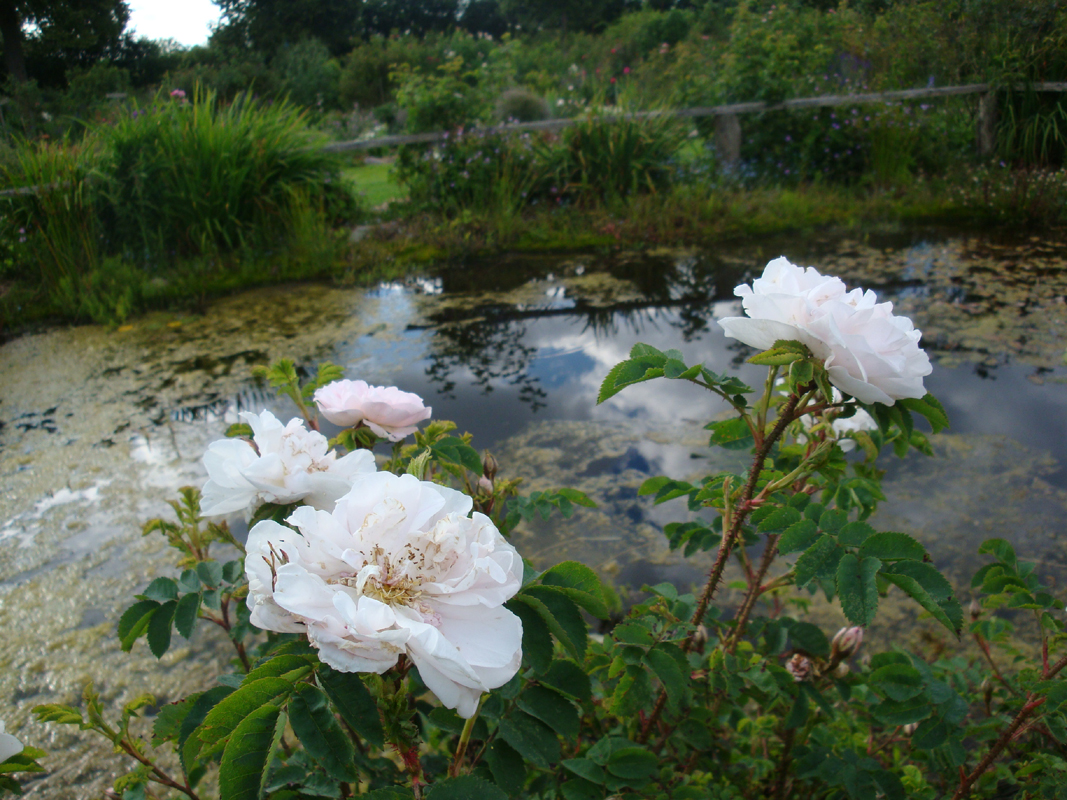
x=625, y=70
x=177, y=94
x=386, y=410
x=400, y=566
x=869, y=352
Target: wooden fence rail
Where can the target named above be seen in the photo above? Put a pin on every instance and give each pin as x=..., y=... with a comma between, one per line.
x=727, y=125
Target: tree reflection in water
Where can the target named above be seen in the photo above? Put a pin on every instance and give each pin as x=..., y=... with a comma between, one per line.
x=489, y=340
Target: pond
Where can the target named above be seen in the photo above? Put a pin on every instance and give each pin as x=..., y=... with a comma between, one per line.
x=98, y=428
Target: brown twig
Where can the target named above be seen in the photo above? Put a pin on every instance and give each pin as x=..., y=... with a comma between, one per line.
x=160, y=776
x=755, y=589
x=741, y=512
x=967, y=781
x=781, y=778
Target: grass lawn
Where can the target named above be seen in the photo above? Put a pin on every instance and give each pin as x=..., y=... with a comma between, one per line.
x=374, y=183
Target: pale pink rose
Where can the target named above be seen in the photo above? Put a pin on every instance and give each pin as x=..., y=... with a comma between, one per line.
x=868, y=352
x=282, y=464
x=386, y=410
x=400, y=566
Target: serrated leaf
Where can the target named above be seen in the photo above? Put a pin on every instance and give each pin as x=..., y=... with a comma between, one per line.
x=585, y=768
x=134, y=622
x=188, y=744
x=892, y=712
x=928, y=407
x=536, y=637
x=633, y=692
x=929, y=588
x=567, y=678
x=671, y=677
x=465, y=787
x=731, y=434
x=210, y=573
x=552, y=709
x=898, y=682
x=580, y=584
x=506, y=766
x=242, y=772
x=161, y=590
x=560, y=614
x=634, y=370
x=315, y=725
x=159, y=629
x=820, y=561
x=530, y=738
x=857, y=589
x=778, y=519
x=633, y=764
x=798, y=537
x=810, y=639
x=456, y=451
x=353, y=702
x=168, y=722
x=854, y=534
x=225, y=717
x=775, y=357
x=185, y=614
x=892, y=546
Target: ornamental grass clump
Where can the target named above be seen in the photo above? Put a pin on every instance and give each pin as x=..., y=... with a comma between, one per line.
x=390, y=643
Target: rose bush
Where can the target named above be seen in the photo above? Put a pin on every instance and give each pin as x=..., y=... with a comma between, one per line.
x=282, y=464
x=389, y=412
x=868, y=352
x=400, y=566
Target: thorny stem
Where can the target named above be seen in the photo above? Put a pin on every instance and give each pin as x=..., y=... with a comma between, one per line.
x=755, y=589
x=240, y=648
x=159, y=775
x=464, y=738
x=998, y=746
x=983, y=645
x=741, y=511
x=781, y=778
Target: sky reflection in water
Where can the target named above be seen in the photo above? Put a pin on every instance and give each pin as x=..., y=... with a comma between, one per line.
x=519, y=366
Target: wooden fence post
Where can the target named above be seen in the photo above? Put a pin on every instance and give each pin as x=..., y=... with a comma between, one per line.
x=728, y=138
x=987, y=124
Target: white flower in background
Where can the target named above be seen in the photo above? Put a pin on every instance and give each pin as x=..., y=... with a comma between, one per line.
x=399, y=566
x=868, y=352
x=386, y=410
x=858, y=422
x=9, y=745
x=288, y=464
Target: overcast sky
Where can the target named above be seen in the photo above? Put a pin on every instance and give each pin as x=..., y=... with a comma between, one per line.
x=183, y=20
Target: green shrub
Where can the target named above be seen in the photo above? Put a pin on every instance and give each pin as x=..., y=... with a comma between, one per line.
x=521, y=105
x=308, y=74
x=604, y=158
x=202, y=177
x=444, y=101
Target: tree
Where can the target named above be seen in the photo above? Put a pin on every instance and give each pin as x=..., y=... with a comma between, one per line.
x=58, y=32
x=417, y=16
x=565, y=15
x=484, y=16
x=268, y=25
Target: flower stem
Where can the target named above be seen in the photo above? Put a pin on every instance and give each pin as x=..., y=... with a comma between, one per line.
x=464, y=738
x=998, y=746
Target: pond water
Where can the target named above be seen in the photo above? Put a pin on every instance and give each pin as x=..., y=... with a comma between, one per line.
x=99, y=427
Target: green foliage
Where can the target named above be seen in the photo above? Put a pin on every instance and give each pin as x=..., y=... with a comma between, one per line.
x=673, y=698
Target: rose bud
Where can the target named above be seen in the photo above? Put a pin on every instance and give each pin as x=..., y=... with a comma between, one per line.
x=845, y=643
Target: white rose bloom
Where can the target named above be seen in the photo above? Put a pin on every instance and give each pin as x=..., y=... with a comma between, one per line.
x=288, y=464
x=388, y=411
x=9, y=745
x=868, y=352
x=399, y=566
